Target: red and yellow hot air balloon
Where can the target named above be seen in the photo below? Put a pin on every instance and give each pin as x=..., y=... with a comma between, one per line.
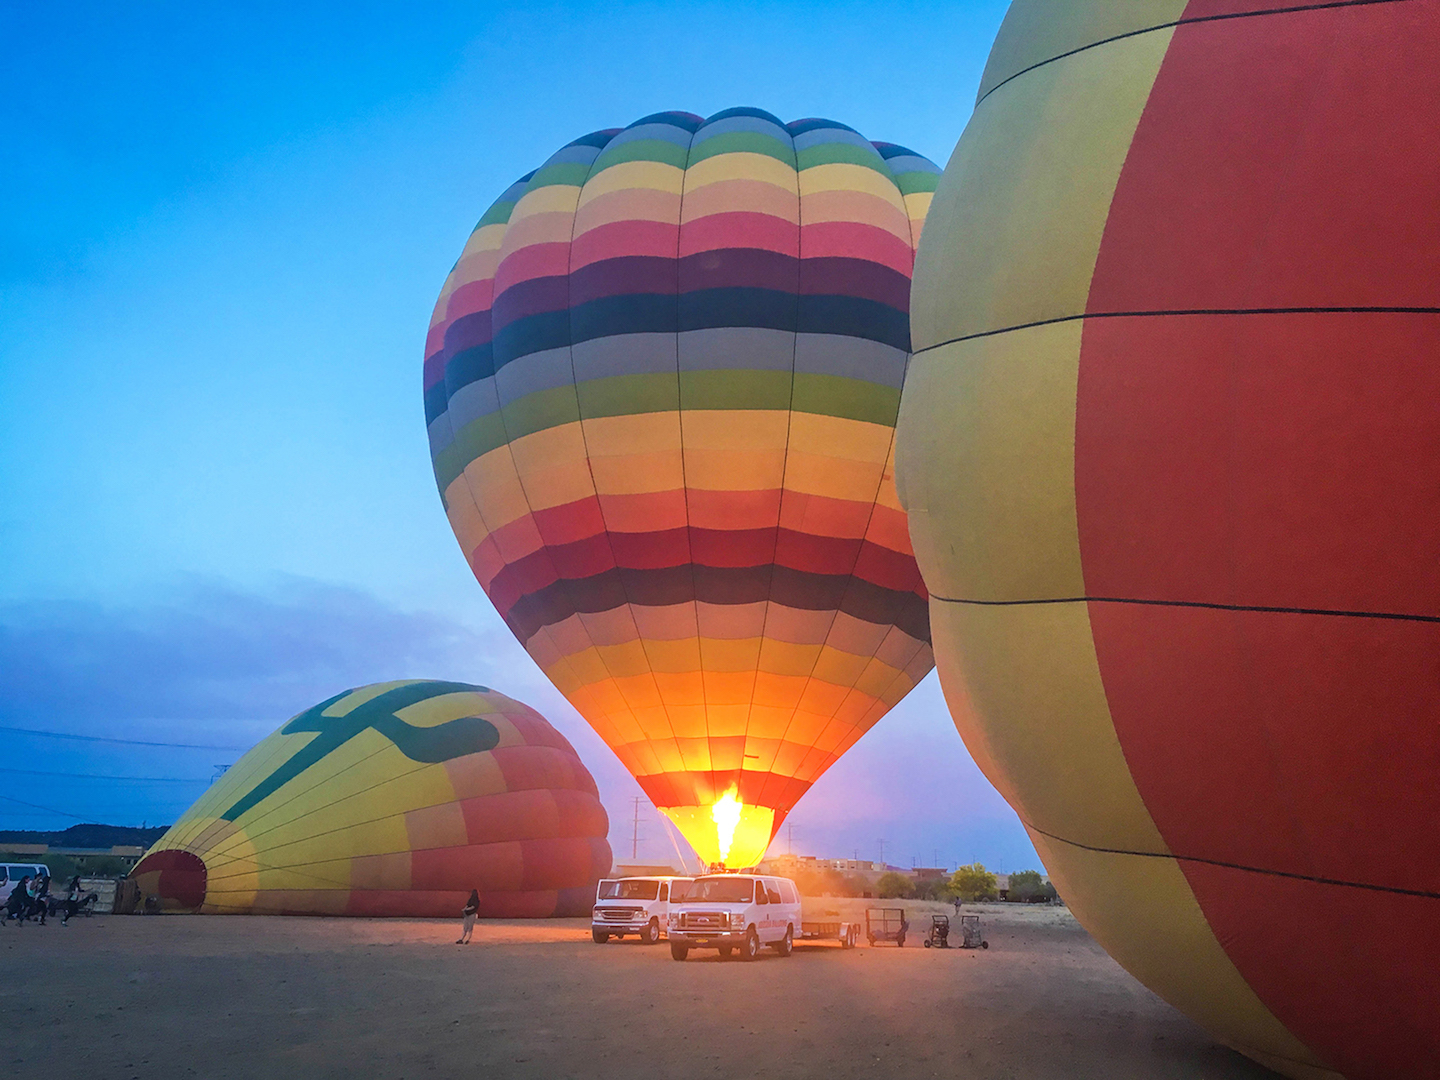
x=1171, y=451
x=661, y=386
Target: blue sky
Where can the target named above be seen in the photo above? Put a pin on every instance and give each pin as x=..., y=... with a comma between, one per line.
x=222, y=234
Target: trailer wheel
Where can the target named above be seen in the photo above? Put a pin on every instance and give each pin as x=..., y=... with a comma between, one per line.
x=984, y=944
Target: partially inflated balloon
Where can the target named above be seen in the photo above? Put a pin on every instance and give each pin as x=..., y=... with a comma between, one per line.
x=392, y=799
x=662, y=384
x=1171, y=452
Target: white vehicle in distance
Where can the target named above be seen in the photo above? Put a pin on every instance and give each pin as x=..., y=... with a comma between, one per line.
x=634, y=905
x=736, y=912
x=11, y=875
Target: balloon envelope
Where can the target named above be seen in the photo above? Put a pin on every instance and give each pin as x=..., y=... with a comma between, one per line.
x=661, y=386
x=1171, y=456
x=392, y=799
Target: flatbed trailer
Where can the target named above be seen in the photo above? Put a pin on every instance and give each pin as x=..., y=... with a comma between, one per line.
x=817, y=924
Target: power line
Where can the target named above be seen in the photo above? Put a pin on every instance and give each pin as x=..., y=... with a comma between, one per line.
x=37, y=806
x=127, y=742
x=99, y=776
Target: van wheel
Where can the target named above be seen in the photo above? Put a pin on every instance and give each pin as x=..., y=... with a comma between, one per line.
x=786, y=945
x=651, y=934
x=750, y=948
x=600, y=936
x=678, y=950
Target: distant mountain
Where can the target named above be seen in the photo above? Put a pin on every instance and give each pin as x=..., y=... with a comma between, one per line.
x=86, y=836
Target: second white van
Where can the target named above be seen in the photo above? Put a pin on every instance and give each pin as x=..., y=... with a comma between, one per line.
x=634, y=905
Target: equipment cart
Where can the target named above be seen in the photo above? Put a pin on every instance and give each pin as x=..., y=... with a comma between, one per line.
x=886, y=924
x=971, y=936
x=939, y=932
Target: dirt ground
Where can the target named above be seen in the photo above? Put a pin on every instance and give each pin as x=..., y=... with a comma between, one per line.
x=212, y=996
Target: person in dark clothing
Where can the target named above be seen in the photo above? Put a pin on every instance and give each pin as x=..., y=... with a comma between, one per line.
x=71, y=903
x=40, y=900
x=468, y=917
x=19, y=902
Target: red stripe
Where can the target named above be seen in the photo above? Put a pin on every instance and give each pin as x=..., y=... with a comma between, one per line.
x=621, y=238
x=740, y=229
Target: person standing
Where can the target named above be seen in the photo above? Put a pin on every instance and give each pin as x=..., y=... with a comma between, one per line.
x=72, y=900
x=467, y=916
x=19, y=900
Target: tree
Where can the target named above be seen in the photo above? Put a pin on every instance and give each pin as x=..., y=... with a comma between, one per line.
x=893, y=886
x=1027, y=886
x=974, y=882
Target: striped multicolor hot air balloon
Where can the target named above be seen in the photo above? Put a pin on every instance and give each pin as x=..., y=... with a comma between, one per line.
x=661, y=385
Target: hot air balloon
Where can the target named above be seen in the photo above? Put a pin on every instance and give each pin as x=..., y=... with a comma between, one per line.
x=1171, y=455
x=392, y=799
x=661, y=385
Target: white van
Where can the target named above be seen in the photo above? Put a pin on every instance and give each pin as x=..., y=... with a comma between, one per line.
x=634, y=905
x=736, y=911
x=11, y=873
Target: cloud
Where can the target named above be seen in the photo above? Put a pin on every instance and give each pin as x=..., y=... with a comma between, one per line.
x=214, y=656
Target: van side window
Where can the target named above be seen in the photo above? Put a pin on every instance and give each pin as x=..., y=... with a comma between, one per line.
x=760, y=893
x=664, y=890
x=787, y=890
x=772, y=888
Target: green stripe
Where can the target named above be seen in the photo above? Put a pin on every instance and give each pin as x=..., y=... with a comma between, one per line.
x=744, y=142
x=541, y=410
x=836, y=153
x=572, y=173
x=498, y=214
x=850, y=399
x=735, y=389
x=911, y=182
x=666, y=153
x=624, y=395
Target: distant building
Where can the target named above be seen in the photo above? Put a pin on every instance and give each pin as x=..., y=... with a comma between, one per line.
x=644, y=870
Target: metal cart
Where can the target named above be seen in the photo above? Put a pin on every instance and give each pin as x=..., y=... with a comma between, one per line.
x=886, y=924
x=971, y=936
x=939, y=932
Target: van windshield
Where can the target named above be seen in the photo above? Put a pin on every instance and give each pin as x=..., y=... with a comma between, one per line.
x=721, y=890
x=629, y=890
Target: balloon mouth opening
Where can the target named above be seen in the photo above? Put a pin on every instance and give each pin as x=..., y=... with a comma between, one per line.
x=176, y=879
x=728, y=833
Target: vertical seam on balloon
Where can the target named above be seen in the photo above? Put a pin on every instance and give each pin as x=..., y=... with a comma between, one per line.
x=589, y=467
x=834, y=615
x=784, y=472
x=685, y=486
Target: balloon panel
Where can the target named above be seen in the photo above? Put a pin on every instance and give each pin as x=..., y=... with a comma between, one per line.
x=1176, y=333
x=661, y=384
x=392, y=799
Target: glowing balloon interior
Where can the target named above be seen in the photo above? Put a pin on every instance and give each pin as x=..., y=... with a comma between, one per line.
x=661, y=385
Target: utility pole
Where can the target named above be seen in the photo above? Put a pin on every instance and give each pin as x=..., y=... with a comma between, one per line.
x=935, y=855
x=882, y=852
x=790, y=838
x=635, y=830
